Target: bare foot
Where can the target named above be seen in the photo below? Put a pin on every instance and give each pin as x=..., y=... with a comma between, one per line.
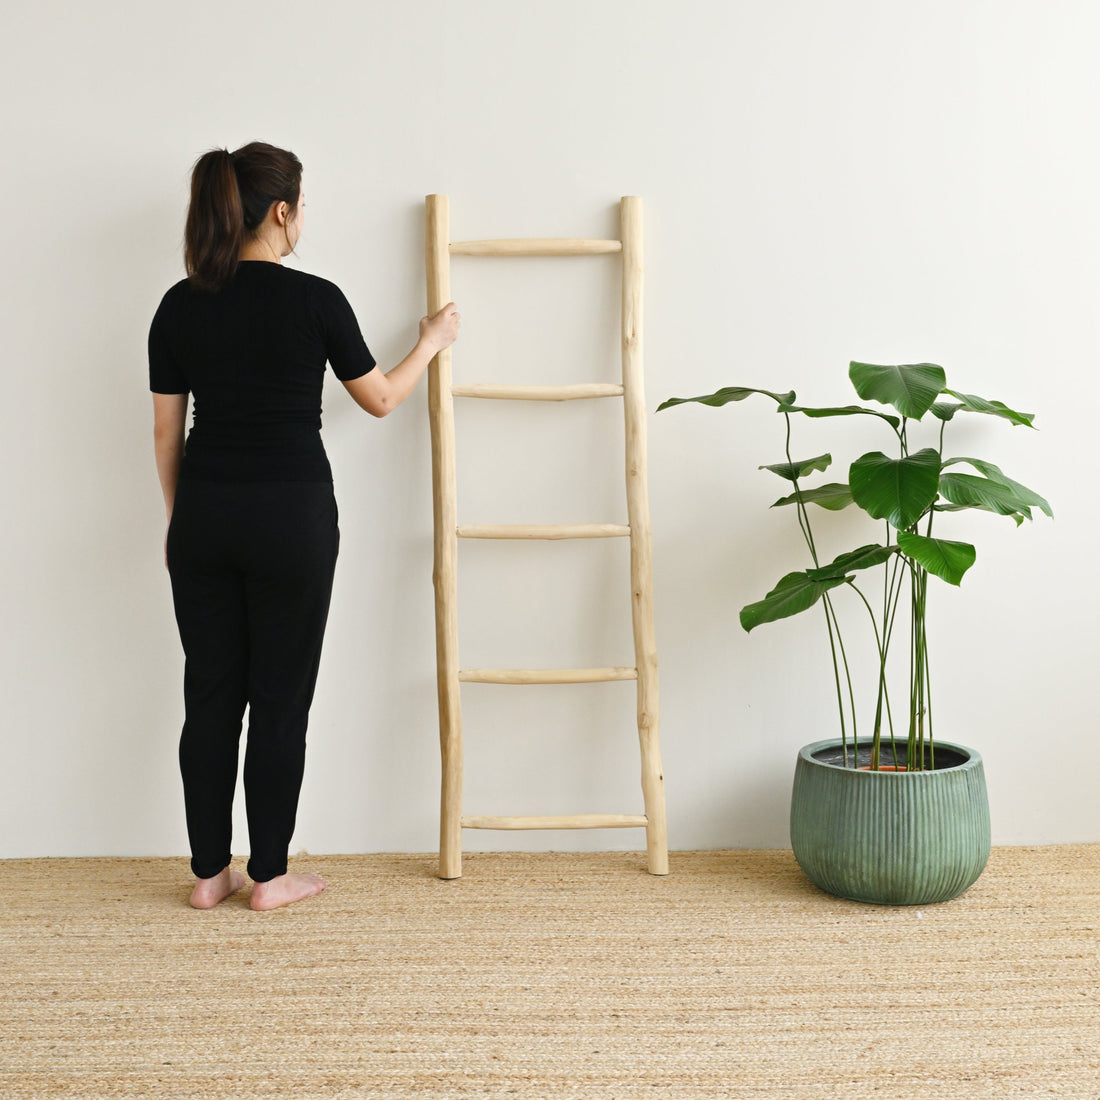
x=285, y=889
x=209, y=891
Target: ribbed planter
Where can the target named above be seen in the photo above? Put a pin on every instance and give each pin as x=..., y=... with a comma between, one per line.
x=891, y=838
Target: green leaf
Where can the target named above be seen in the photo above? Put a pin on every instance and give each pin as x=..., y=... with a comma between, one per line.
x=971, y=403
x=994, y=473
x=792, y=470
x=833, y=496
x=898, y=490
x=939, y=506
x=979, y=492
x=911, y=388
x=794, y=593
x=944, y=410
x=841, y=410
x=728, y=394
x=866, y=557
x=944, y=559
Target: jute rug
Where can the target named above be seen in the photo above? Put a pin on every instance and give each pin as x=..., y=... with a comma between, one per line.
x=550, y=975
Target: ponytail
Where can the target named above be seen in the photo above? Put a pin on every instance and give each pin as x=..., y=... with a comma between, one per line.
x=231, y=194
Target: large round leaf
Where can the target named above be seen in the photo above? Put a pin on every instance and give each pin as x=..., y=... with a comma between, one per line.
x=972, y=403
x=898, y=490
x=969, y=491
x=792, y=471
x=842, y=410
x=911, y=388
x=1025, y=495
x=832, y=496
x=794, y=593
x=948, y=560
x=727, y=394
x=866, y=557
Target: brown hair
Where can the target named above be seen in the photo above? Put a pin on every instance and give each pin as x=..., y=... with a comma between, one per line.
x=231, y=194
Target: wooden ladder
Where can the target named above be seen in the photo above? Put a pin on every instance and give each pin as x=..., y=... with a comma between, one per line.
x=439, y=249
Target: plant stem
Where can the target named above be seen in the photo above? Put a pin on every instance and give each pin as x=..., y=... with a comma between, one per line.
x=876, y=736
x=911, y=737
x=889, y=618
x=830, y=615
x=800, y=504
x=896, y=585
x=836, y=678
x=847, y=676
x=928, y=688
x=918, y=673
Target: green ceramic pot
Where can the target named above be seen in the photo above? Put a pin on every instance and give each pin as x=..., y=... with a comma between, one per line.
x=892, y=838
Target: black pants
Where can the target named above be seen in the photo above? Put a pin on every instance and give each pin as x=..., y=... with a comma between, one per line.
x=251, y=568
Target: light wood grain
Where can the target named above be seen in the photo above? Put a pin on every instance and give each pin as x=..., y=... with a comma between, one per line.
x=445, y=573
x=447, y=532
x=535, y=246
x=564, y=821
x=576, y=392
x=544, y=531
x=641, y=557
x=545, y=675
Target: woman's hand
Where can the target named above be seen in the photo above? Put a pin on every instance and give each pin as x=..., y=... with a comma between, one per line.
x=441, y=331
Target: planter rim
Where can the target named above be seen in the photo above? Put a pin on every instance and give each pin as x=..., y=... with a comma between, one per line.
x=973, y=759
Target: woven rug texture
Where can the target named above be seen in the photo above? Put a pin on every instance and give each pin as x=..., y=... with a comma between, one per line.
x=550, y=975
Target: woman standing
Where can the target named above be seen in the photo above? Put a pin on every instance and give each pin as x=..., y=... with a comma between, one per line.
x=253, y=531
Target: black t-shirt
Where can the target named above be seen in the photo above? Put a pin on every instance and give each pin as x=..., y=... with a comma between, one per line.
x=252, y=355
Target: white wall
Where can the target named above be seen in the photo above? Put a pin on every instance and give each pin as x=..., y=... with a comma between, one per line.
x=884, y=181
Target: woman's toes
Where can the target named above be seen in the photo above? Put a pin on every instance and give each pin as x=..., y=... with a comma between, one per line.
x=285, y=890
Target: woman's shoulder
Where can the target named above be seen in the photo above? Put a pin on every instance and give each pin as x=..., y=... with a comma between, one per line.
x=325, y=296
x=317, y=283
x=171, y=300
x=177, y=290
x=316, y=288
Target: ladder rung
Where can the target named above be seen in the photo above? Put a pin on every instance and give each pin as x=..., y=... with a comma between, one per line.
x=567, y=821
x=534, y=246
x=544, y=531
x=545, y=675
x=539, y=393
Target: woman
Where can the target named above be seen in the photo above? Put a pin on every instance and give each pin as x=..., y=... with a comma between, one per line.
x=253, y=531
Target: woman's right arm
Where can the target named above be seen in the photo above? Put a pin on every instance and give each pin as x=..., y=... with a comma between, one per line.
x=169, y=418
x=378, y=393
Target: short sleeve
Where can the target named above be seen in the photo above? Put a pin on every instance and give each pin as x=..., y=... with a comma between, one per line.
x=345, y=347
x=165, y=375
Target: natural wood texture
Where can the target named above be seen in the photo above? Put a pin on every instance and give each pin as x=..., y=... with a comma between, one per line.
x=539, y=393
x=447, y=533
x=641, y=559
x=544, y=531
x=445, y=573
x=545, y=675
x=533, y=246
x=565, y=821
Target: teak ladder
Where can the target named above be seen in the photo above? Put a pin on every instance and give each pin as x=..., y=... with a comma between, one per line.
x=439, y=249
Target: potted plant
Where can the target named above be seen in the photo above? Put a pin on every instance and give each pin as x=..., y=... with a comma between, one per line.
x=893, y=818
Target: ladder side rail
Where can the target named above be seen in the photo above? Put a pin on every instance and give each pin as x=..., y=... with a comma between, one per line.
x=445, y=571
x=641, y=557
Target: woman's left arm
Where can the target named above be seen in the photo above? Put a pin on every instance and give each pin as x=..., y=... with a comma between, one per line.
x=169, y=417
